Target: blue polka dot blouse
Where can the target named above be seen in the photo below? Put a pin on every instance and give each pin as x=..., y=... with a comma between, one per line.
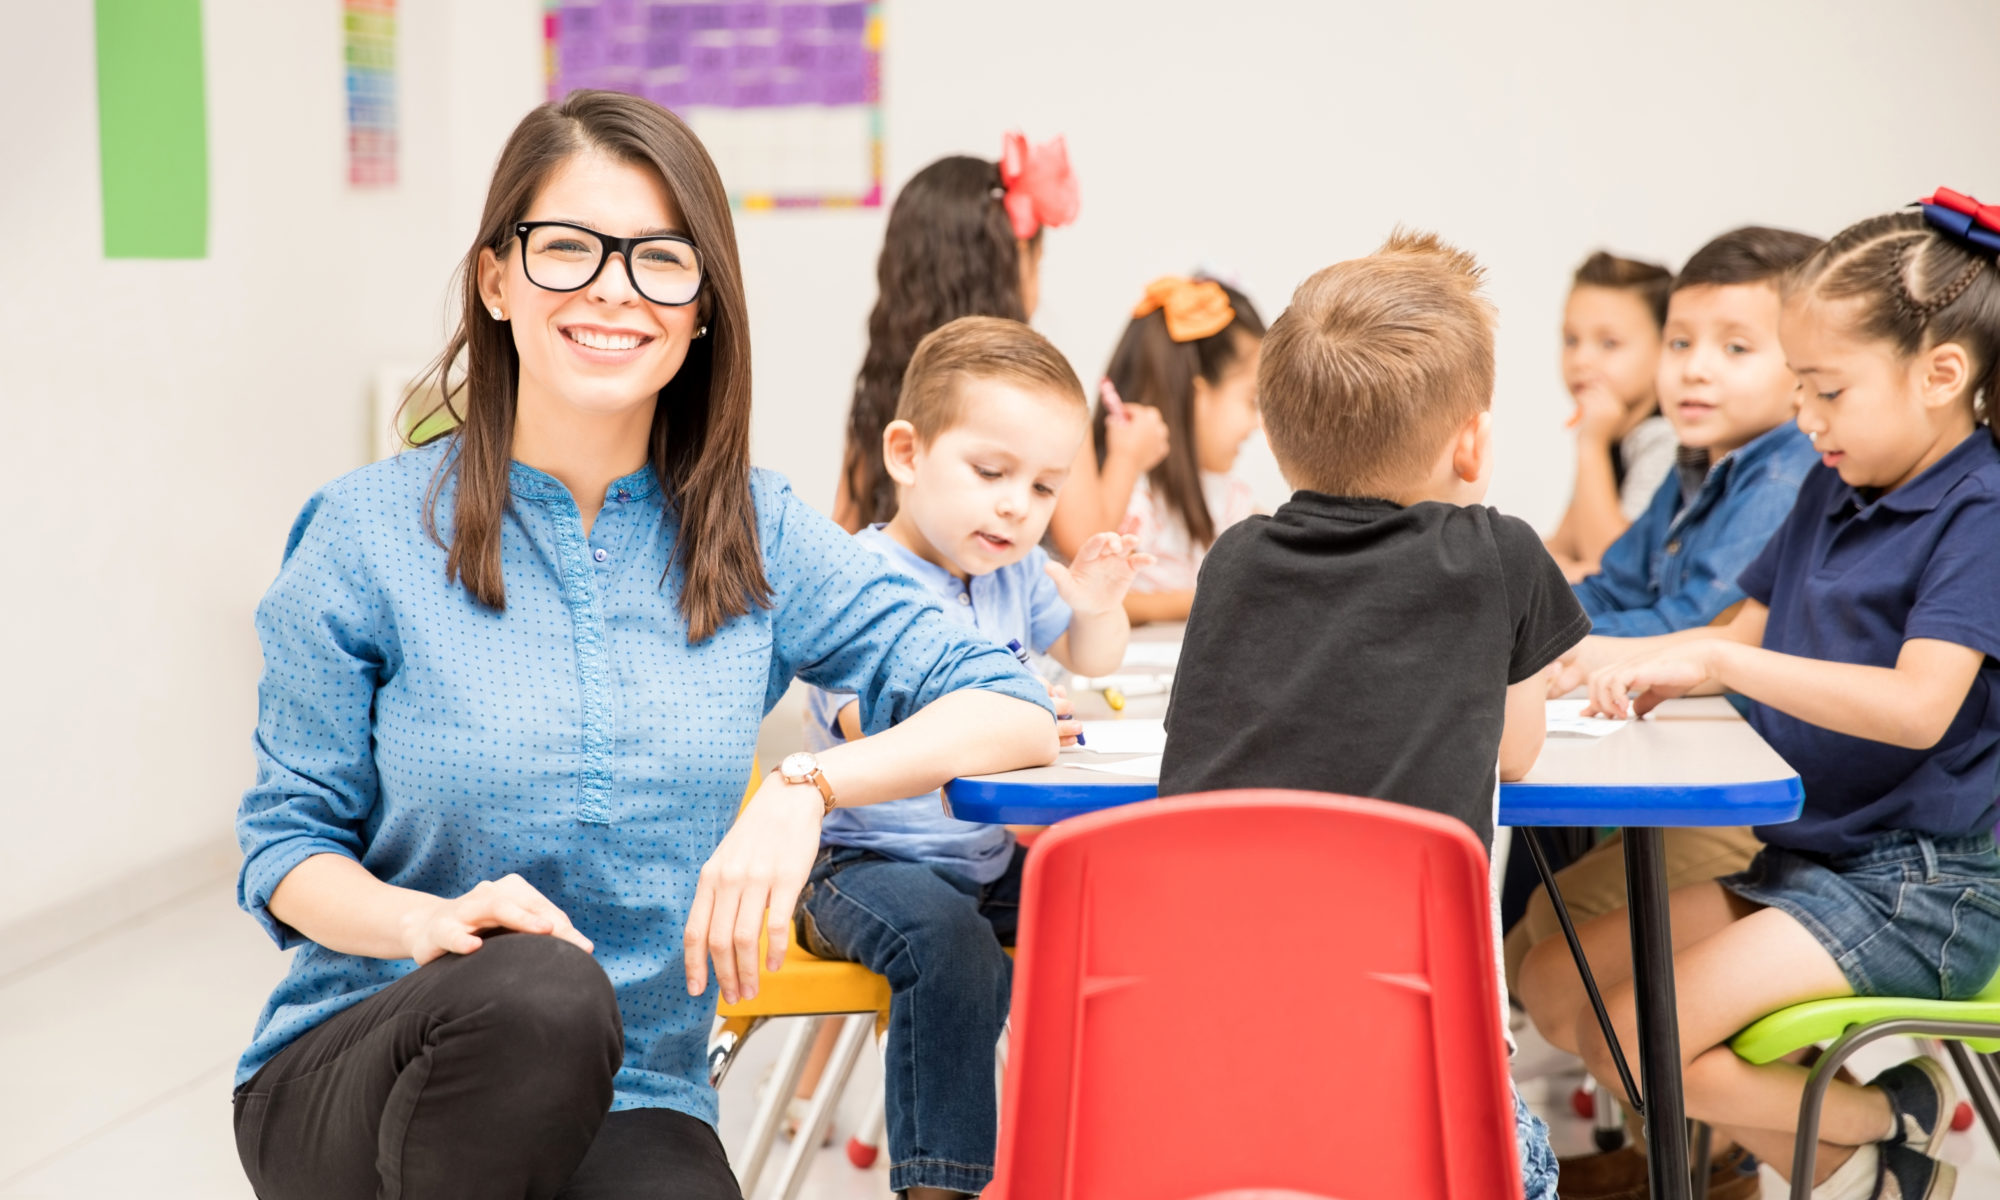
x=576, y=738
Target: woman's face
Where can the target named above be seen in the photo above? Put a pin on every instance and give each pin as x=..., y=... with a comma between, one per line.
x=603, y=350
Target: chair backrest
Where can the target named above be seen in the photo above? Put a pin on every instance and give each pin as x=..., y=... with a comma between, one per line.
x=1252, y=994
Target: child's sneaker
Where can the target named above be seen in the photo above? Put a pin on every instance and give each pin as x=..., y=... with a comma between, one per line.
x=1908, y=1175
x=1921, y=1097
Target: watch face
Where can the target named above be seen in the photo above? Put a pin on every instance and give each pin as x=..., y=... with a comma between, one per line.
x=797, y=767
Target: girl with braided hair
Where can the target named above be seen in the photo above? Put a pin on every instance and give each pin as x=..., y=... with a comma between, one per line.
x=1869, y=653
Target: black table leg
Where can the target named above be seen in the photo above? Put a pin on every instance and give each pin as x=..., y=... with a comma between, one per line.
x=1659, y=1016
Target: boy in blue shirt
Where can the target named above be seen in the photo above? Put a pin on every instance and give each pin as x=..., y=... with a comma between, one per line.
x=1725, y=387
x=990, y=418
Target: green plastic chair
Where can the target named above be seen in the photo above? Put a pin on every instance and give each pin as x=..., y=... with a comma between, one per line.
x=1965, y=1026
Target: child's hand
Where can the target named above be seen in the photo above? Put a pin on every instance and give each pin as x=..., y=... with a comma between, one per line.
x=1662, y=675
x=1067, y=726
x=1573, y=670
x=1096, y=580
x=1137, y=436
x=1599, y=413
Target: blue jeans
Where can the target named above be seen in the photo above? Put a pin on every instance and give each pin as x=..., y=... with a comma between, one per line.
x=1538, y=1159
x=936, y=937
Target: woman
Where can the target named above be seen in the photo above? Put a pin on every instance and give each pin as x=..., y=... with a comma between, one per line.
x=512, y=679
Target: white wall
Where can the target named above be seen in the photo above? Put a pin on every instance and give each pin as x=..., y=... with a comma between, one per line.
x=165, y=420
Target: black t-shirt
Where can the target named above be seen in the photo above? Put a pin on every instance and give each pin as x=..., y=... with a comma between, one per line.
x=1363, y=648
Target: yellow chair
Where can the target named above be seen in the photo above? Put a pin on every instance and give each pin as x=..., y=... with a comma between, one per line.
x=817, y=990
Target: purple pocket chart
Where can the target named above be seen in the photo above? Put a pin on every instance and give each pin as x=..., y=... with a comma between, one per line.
x=668, y=94
x=754, y=56
x=801, y=56
x=799, y=17
x=664, y=50
x=753, y=92
x=708, y=16
x=666, y=19
x=847, y=18
x=747, y=15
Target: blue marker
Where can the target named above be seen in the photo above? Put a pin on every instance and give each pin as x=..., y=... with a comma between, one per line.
x=1021, y=652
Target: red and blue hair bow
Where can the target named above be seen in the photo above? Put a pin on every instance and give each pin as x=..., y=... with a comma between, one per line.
x=1964, y=218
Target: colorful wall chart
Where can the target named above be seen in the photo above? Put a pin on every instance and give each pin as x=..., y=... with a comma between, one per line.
x=787, y=96
x=152, y=128
x=369, y=28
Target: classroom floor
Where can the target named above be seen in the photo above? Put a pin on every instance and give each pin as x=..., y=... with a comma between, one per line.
x=118, y=1052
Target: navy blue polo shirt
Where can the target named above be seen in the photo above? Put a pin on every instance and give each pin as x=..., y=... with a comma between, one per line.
x=1850, y=577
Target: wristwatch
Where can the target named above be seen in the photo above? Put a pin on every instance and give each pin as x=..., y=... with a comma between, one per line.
x=804, y=768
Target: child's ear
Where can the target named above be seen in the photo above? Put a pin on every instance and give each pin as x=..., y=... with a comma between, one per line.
x=1945, y=373
x=1472, y=449
x=899, y=452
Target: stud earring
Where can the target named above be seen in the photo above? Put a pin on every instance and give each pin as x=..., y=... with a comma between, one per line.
x=497, y=315
x=702, y=332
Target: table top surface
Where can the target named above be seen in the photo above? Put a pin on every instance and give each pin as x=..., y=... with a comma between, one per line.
x=1690, y=762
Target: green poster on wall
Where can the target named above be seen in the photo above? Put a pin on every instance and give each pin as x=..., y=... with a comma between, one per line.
x=152, y=128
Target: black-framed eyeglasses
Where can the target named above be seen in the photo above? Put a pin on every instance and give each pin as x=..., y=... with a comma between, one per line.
x=665, y=268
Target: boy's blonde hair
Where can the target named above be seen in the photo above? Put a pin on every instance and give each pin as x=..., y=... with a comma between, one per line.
x=979, y=348
x=1375, y=363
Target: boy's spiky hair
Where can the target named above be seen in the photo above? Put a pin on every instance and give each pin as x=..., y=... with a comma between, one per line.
x=1375, y=363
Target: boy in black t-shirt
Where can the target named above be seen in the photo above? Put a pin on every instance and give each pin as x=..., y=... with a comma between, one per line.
x=1381, y=634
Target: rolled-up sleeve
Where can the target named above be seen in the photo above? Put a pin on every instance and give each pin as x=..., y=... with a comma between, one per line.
x=846, y=621
x=323, y=631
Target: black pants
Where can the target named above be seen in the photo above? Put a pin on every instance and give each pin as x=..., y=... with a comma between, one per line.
x=481, y=1076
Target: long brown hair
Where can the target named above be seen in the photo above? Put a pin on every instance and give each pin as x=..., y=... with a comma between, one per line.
x=700, y=439
x=1916, y=288
x=1150, y=367
x=949, y=252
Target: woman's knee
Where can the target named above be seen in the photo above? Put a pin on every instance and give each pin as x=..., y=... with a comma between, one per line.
x=1550, y=989
x=537, y=991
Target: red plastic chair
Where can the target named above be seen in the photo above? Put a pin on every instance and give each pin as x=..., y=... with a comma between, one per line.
x=1258, y=995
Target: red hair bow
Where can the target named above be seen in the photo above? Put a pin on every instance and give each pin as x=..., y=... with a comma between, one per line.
x=1040, y=187
x=1965, y=218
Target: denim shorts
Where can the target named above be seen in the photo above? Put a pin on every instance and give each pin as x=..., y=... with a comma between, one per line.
x=1913, y=916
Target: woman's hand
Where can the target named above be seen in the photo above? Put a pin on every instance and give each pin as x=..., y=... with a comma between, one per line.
x=1137, y=436
x=751, y=884
x=1096, y=580
x=1676, y=670
x=451, y=926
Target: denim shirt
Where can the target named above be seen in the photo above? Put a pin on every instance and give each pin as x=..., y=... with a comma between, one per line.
x=1676, y=567
x=576, y=737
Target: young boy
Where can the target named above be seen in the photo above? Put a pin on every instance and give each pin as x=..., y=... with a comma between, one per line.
x=1380, y=634
x=1724, y=385
x=990, y=418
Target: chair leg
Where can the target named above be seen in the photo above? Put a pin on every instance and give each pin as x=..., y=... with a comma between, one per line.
x=1975, y=1086
x=853, y=1036
x=1992, y=1064
x=770, y=1113
x=1607, y=1119
x=724, y=1040
x=1704, y=1150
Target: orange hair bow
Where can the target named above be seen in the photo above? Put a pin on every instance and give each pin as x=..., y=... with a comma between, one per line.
x=1039, y=187
x=1196, y=308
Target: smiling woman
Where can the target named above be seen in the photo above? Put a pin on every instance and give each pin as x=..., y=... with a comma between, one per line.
x=512, y=685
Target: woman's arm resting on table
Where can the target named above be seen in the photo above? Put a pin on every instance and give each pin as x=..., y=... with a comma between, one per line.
x=1144, y=607
x=752, y=882
x=334, y=901
x=1911, y=704
x=1526, y=728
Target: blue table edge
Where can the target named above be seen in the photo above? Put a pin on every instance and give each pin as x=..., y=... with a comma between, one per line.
x=997, y=800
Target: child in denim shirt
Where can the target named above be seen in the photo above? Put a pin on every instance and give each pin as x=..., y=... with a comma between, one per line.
x=989, y=421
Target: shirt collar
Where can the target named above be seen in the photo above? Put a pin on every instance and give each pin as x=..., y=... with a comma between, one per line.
x=531, y=484
x=1699, y=471
x=927, y=572
x=1929, y=489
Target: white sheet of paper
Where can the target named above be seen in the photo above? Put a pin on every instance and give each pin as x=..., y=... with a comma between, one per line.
x=1566, y=716
x=1125, y=737
x=1145, y=768
x=1131, y=685
x=1151, y=654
